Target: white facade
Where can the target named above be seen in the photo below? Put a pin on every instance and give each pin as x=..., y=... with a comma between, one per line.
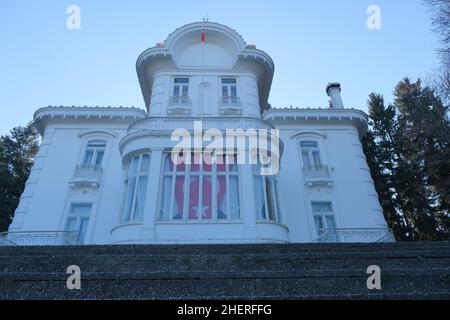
x=105, y=173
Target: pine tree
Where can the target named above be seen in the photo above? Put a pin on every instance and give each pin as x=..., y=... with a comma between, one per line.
x=408, y=154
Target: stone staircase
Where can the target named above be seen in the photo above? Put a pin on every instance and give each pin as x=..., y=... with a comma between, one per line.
x=294, y=271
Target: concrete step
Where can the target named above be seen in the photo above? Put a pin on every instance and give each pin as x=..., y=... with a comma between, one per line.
x=409, y=270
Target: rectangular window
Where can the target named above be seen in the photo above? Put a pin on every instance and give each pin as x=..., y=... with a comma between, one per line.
x=229, y=91
x=136, y=189
x=181, y=90
x=78, y=219
x=310, y=154
x=266, y=196
x=323, y=216
x=94, y=154
x=196, y=189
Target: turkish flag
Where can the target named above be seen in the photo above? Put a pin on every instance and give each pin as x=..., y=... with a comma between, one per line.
x=203, y=36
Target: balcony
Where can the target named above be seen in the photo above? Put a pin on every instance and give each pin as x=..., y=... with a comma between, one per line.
x=317, y=175
x=87, y=176
x=365, y=235
x=39, y=238
x=230, y=105
x=179, y=105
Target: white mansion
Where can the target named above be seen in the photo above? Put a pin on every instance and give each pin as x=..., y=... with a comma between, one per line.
x=106, y=175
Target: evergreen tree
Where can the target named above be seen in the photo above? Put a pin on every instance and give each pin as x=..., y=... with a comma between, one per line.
x=17, y=152
x=408, y=154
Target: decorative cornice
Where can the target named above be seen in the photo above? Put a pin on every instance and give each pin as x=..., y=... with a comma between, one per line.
x=353, y=117
x=63, y=114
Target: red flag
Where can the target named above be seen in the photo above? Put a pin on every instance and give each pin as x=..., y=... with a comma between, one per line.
x=203, y=36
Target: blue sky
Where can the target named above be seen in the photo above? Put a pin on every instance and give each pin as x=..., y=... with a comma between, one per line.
x=312, y=43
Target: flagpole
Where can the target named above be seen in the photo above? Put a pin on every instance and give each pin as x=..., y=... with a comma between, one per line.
x=203, y=48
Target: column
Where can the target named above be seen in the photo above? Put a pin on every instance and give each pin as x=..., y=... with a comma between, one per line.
x=151, y=200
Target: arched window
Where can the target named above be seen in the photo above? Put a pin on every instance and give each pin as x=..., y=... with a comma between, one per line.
x=136, y=189
x=266, y=196
x=200, y=190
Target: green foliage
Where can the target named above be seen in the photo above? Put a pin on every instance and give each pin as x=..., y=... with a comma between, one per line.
x=17, y=152
x=409, y=157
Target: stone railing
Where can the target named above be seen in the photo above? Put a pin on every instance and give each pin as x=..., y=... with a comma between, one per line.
x=317, y=172
x=87, y=176
x=39, y=238
x=367, y=235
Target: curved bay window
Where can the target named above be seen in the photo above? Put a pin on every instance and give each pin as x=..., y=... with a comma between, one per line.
x=197, y=189
x=136, y=189
x=266, y=196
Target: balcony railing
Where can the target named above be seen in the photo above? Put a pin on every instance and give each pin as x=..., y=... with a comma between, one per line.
x=179, y=100
x=365, y=235
x=39, y=238
x=230, y=100
x=179, y=105
x=317, y=172
x=230, y=106
x=87, y=175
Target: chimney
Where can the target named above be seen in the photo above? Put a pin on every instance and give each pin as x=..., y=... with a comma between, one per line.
x=334, y=92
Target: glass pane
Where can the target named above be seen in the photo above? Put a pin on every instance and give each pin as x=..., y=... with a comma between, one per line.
x=229, y=81
x=71, y=224
x=176, y=91
x=259, y=195
x=309, y=144
x=179, y=198
x=129, y=199
x=97, y=144
x=206, y=207
x=331, y=223
x=81, y=209
x=83, y=228
x=185, y=91
x=88, y=157
x=145, y=163
x=316, y=157
x=99, y=159
x=233, y=91
x=320, y=207
x=234, y=198
x=140, y=199
x=221, y=197
x=270, y=199
x=166, y=196
x=181, y=80
x=305, y=158
x=319, y=224
x=195, y=210
x=224, y=92
x=133, y=167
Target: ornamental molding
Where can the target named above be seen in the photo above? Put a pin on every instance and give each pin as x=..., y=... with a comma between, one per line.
x=302, y=133
x=85, y=133
x=353, y=117
x=61, y=115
